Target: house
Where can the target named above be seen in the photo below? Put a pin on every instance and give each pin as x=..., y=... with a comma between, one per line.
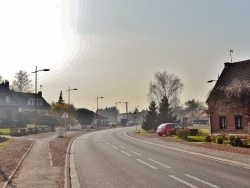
x=12, y=103
x=228, y=102
x=193, y=117
x=9, y=107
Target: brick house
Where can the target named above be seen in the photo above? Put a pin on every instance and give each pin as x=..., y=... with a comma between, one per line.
x=228, y=102
x=12, y=103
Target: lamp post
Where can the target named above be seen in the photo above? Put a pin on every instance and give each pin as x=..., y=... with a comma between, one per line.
x=135, y=114
x=116, y=112
x=210, y=81
x=97, y=109
x=69, y=93
x=65, y=123
x=126, y=109
x=36, y=71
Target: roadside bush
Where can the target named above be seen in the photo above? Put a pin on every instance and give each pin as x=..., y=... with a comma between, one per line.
x=182, y=133
x=219, y=139
x=213, y=139
x=208, y=139
x=231, y=139
x=193, y=132
x=3, y=139
x=171, y=132
x=237, y=142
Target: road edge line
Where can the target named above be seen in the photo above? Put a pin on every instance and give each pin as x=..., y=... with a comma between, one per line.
x=227, y=161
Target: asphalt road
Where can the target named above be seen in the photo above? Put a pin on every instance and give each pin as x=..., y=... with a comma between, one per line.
x=110, y=158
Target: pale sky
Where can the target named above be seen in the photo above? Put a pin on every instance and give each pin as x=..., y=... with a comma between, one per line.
x=112, y=48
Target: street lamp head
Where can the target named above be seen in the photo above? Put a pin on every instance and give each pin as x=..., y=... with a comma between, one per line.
x=46, y=70
x=75, y=89
x=209, y=81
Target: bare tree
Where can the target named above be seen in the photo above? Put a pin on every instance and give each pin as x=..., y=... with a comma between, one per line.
x=21, y=83
x=166, y=85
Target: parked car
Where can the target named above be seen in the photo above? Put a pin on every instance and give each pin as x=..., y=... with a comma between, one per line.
x=112, y=124
x=130, y=123
x=165, y=127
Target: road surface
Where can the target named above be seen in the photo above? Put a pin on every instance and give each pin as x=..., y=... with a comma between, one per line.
x=111, y=158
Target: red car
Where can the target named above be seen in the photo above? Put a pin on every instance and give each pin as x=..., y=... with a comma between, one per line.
x=165, y=127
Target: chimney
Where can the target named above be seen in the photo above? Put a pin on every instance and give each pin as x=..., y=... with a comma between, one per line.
x=226, y=65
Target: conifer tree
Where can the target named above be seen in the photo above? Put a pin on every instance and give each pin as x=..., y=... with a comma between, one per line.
x=60, y=100
x=165, y=114
x=149, y=121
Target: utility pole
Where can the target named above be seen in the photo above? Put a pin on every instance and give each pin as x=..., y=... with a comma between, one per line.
x=126, y=109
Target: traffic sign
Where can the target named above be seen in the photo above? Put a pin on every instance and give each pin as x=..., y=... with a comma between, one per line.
x=65, y=115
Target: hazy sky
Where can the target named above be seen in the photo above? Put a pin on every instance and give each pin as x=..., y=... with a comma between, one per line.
x=112, y=48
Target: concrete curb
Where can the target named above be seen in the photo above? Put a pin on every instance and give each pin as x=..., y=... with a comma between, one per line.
x=18, y=165
x=67, y=169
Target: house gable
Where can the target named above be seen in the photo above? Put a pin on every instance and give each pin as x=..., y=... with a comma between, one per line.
x=228, y=99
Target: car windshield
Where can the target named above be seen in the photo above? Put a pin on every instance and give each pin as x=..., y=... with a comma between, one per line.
x=173, y=125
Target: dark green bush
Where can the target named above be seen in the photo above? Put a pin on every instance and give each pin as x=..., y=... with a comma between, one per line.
x=208, y=139
x=171, y=132
x=182, y=133
x=231, y=139
x=219, y=139
x=193, y=132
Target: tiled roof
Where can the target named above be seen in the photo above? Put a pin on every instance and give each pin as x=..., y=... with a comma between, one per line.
x=238, y=70
x=23, y=99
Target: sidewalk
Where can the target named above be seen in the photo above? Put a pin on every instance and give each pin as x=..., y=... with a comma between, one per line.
x=36, y=170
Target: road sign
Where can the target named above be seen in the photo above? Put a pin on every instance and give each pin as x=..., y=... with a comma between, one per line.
x=65, y=115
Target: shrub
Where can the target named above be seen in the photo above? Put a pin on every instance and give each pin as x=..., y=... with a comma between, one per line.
x=219, y=139
x=171, y=132
x=231, y=139
x=182, y=133
x=193, y=132
x=208, y=139
x=213, y=139
x=237, y=142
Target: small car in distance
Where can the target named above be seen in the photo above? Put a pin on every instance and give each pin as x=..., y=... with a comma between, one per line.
x=165, y=127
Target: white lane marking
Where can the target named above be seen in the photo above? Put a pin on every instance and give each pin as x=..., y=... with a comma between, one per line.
x=135, y=153
x=122, y=147
x=149, y=165
x=227, y=161
x=114, y=147
x=182, y=181
x=159, y=163
x=202, y=181
x=126, y=153
x=108, y=143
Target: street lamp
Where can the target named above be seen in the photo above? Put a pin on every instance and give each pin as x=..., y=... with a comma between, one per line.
x=126, y=109
x=68, y=108
x=210, y=81
x=116, y=111
x=135, y=114
x=97, y=106
x=69, y=94
x=36, y=71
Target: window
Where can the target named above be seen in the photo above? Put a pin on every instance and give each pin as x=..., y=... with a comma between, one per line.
x=238, y=122
x=222, y=121
x=7, y=98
